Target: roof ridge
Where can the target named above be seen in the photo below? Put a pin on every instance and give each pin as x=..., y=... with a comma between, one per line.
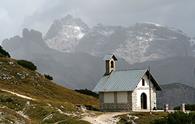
x=130, y=69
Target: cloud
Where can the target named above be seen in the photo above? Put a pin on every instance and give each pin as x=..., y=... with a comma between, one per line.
x=39, y=14
x=6, y=23
x=12, y=14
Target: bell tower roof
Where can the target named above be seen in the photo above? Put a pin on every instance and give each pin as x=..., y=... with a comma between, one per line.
x=110, y=65
x=110, y=56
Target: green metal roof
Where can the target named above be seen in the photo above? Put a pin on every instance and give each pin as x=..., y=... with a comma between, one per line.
x=121, y=81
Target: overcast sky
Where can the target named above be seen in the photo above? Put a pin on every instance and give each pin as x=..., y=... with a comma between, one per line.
x=39, y=14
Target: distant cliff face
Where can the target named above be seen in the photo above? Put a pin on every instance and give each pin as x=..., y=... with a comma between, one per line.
x=138, y=43
x=175, y=94
x=27, y=46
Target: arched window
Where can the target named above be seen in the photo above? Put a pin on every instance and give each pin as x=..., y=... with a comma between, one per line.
x=143, y=82
x=143, y=101
x=112, y=64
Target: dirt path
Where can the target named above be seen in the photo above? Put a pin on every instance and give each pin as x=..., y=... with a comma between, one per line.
x=17, y=94
x=105, y=118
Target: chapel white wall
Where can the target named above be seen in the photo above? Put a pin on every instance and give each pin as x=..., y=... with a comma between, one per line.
x=136, y=95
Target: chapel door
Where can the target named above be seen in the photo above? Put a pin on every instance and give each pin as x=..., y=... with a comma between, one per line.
x=143, y=101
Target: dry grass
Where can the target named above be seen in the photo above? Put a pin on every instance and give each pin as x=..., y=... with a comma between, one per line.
x=143, y=117
x=37, y=86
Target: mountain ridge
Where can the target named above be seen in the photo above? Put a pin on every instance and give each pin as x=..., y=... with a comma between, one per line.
x=175, y=94
x=124, y=41
x=137, y=46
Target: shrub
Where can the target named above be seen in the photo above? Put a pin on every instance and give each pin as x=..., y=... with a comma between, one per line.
x=90, y=107
x=187, y=107
x=87, y=92
x=27, y=64
x=48, y=77
x=4, y=53
x=177, y=108
x=11, y=102
x=192, y=117
x=177, y=118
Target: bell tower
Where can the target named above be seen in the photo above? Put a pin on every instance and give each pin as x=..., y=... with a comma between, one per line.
x=110, y=64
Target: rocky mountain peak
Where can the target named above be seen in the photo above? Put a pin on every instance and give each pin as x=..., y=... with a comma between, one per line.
x=70, y=20
x=137, y=43
x=64, y=34
x=67, y=21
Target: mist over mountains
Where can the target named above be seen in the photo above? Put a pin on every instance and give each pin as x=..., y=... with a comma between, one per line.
x=72, y=52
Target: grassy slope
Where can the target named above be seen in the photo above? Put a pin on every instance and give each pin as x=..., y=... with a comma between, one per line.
x=143, y=117
x=15, y=78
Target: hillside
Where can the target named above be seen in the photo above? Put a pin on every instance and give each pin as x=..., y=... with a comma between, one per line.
x=175, y=94
x=28, y=94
